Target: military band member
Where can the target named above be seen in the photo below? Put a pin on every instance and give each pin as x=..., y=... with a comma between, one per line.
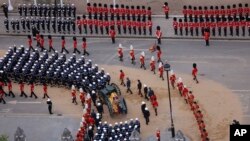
x=25, y=10
x=73, y=25
x=53, y=23
x=13, y=25
x=20, y=9
x=47, y=21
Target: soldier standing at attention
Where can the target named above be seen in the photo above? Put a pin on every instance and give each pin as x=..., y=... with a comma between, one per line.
x=158, y=34
x=166, y=9
x=142, y=60
x=112, y=34
x=120, y=52
x=132, y=55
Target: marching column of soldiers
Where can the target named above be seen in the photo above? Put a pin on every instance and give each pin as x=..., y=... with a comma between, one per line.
x=221, y=21
x=23, y=66
x=124, y=19
x=45, y=18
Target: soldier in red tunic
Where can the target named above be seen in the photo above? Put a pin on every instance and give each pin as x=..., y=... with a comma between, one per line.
x=142, y=60
x=166, y=9
x=180, y=85
x=96, y=23
x=21, y=84
x=100, y=23
x=63, y=45
x=124, y=26
x=118, y=23
x=84, y=22
x=159, y=53
x=106, y=25
x=206, y=37
x=1, y=96
x=50, y=44
x=73, y=94
x=32, y=90
x=79, y=24
x=82, y=96
x=120, y=52
x=42, y=43
x=172, y=78
x=45, y=91
x=155, y=105
x=90, y=23
x=194, y=72
x=122, y=76
x=89, y=9
x=30, y=43
x=158, y=34
x=150, y=24
x=84, y=46
x=132, y=55
x=186, y=26
x=112, y=34
x=243, y=25
x=75, y=45
x=184, y=11
x=158, y=135
x=175, y=26
x=152, y=64
x=161, y=70
x=10, y=89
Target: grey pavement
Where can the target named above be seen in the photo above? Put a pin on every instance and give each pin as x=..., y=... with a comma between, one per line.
x=224, y=61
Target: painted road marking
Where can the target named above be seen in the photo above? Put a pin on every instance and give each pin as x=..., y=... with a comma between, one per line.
x=24, y=102
x=188, y=62
x=4, y=110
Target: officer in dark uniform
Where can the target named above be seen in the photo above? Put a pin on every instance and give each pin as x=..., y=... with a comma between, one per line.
x=42, y=21
x=5, y=10
x=49, y=7
x=30, y=7
x=13, y=25
x=59, y=10
x=20, y=9
x=37, y=21
x=63, y=25
x=25, y=10
x=64, y=10
x=53, y=23
x=28, y=24
x=23, y=24
x=35, y=10
x=6, y=23
x=59, y=25
x=69, y=10
x=47, y=22
x=40, y=10
x=73, y=25
x=73, y=8
x=43, y=10
x=46, y=9
x=53, y=10
x=68, y=23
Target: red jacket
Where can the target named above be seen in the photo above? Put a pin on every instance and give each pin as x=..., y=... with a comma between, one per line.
x=206, y=35
x=122, y=75
x=142, y=59
x=75, y=44
x=84, y=45
x=50, y=42
x=132, y=54
x=194, y=71
x=32, y=87
x=165, y=9
x=45, y=88
x=42, y=42
x=112, y=33
x=30, y=42
x=63, y=43
x=10, y=86
x=158, y=34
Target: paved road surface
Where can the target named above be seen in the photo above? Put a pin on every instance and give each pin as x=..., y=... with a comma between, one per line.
x=224, y=61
